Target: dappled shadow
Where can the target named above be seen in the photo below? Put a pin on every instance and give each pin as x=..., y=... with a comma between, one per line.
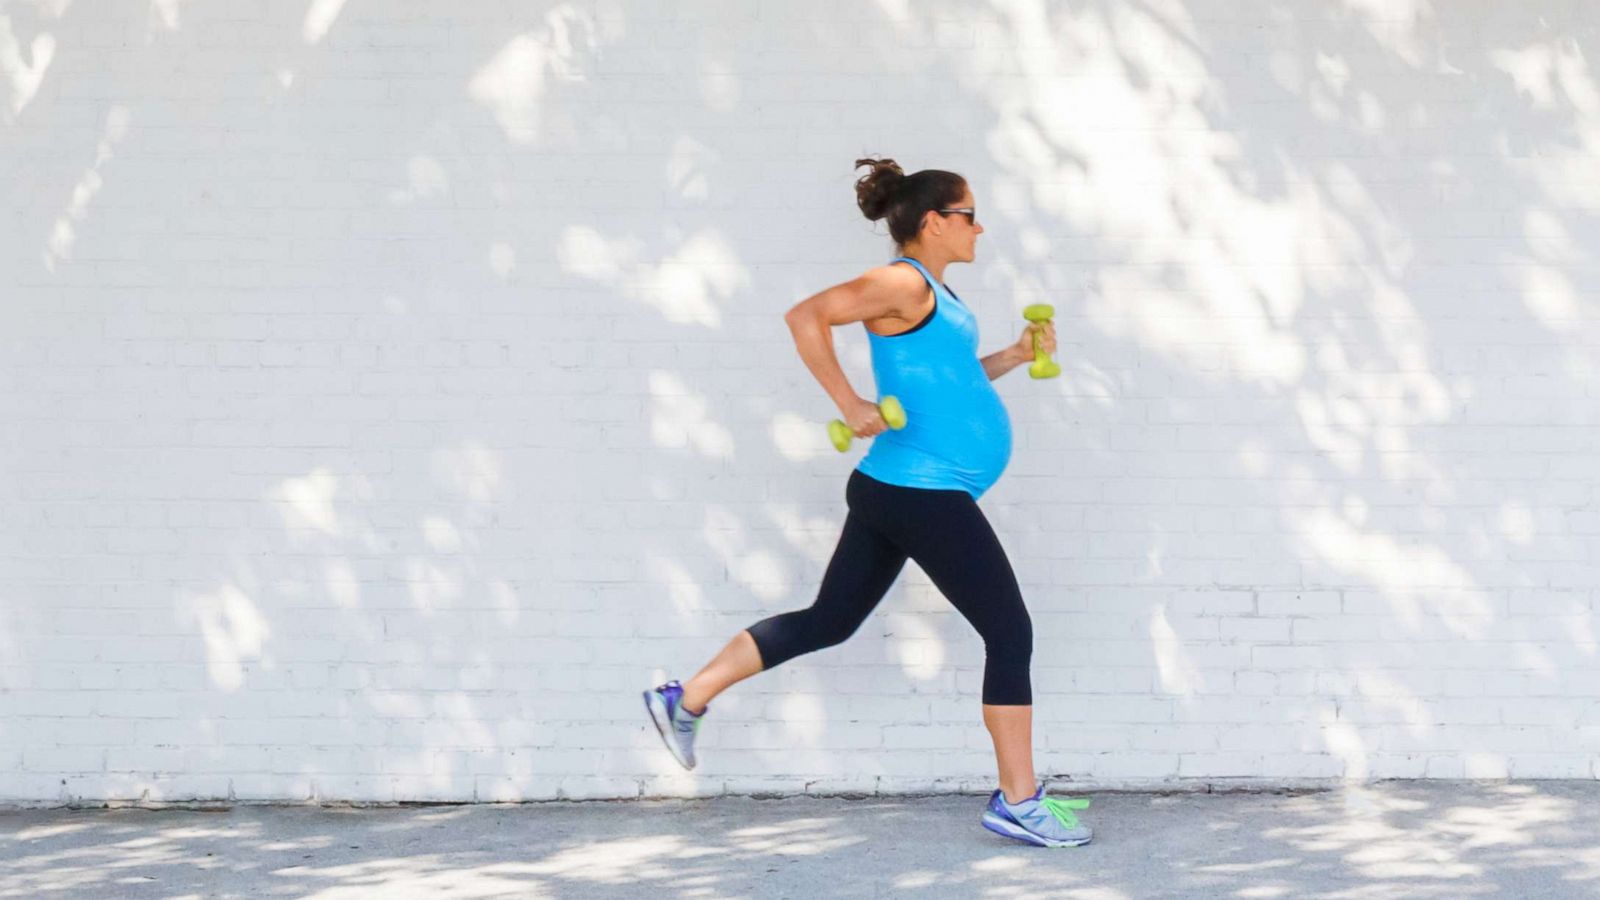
x=1386, y=840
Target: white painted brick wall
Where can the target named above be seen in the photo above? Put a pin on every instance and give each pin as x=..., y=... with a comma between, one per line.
x=389, y=395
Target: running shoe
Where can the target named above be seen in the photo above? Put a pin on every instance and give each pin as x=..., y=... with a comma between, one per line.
x=676, y=725
x=1044, y=821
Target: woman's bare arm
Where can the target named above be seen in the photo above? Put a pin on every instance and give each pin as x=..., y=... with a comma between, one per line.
x=879, y=293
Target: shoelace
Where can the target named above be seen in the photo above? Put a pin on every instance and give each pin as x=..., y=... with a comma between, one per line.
x=1063, y=809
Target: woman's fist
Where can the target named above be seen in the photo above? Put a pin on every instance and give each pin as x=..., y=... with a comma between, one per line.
x=1047, y=340
x=863, y=418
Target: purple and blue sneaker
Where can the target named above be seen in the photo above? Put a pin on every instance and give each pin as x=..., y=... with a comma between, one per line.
x=1044, y=821
x=676, y=725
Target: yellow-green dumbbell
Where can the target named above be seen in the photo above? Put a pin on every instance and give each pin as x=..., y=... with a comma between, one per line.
x=894, y=415
x=1043, y=366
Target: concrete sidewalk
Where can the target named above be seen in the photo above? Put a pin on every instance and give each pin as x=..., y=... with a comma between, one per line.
x=1411, y=839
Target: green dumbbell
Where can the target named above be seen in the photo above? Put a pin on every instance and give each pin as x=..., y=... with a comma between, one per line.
x=894, y=415
x=1043, y=366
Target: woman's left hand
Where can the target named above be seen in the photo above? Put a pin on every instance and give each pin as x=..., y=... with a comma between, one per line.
x=1047, y=342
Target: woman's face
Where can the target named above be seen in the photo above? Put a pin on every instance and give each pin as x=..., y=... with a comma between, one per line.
x=957, y=232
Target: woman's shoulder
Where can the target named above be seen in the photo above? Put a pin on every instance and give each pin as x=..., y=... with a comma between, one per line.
x=906, y=276
x=917, y=298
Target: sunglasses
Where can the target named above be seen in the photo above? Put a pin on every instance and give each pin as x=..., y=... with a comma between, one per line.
x=969, y=212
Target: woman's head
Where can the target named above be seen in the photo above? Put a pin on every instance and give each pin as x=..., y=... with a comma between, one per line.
x=919, y=207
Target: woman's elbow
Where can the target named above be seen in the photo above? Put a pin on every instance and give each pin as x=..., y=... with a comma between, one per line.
x=799, y=316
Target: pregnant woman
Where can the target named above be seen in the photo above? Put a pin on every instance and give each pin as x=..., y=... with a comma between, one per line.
x=914, y=495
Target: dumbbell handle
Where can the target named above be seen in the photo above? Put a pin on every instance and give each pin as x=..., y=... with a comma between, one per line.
x=894, y=415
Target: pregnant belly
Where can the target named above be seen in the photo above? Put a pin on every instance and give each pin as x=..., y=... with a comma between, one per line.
x=975, y=437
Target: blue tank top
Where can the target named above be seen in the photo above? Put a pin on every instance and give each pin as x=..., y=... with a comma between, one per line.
x=957, y=434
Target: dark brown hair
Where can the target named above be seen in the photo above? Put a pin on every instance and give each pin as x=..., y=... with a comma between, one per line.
x=887, y=192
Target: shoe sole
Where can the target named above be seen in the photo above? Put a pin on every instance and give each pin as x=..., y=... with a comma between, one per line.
x=657, y=708
x=1012, y=830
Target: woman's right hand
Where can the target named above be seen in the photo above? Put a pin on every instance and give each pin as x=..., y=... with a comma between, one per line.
x=864, y=418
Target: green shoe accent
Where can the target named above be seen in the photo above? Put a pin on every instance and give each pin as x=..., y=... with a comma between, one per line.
x=1063, y=809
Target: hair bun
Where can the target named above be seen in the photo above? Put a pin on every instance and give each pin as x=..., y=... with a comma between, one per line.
x=875, y=190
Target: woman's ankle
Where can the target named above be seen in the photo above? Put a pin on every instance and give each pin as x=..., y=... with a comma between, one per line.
x=1008, y=794
x=693, y=703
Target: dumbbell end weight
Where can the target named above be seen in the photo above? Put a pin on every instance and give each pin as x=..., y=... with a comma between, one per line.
x=839, y=434
x=894, y=415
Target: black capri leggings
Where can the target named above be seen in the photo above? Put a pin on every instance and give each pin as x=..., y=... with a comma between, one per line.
x=947, y=535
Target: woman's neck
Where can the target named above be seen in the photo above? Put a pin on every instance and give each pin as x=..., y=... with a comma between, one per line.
x=934, y=265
